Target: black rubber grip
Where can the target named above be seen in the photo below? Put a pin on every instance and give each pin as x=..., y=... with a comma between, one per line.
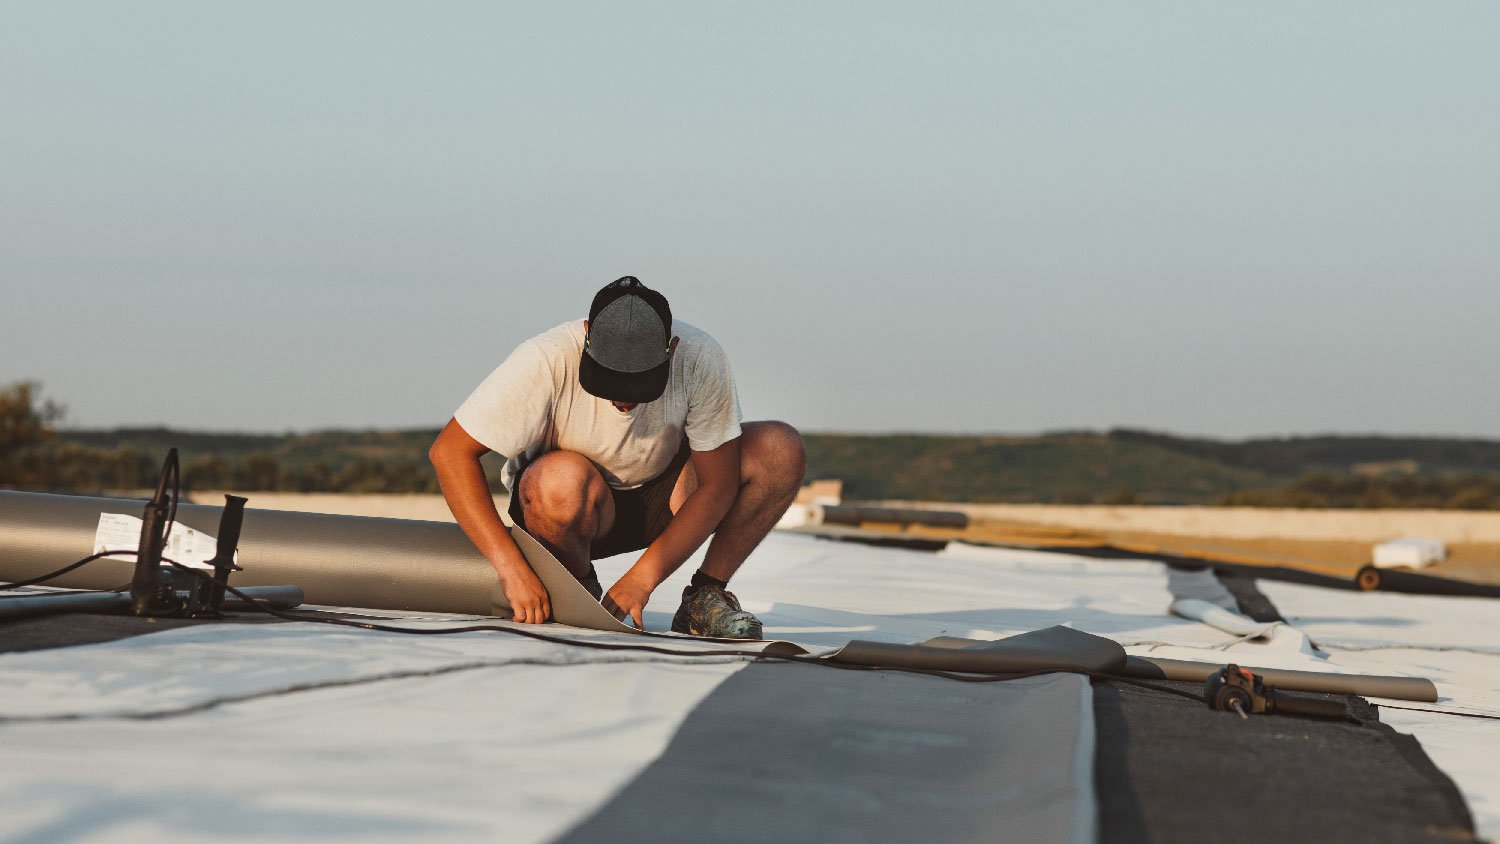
x=1311, y=707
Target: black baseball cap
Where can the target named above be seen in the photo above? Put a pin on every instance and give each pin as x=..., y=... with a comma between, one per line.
x=627, y=352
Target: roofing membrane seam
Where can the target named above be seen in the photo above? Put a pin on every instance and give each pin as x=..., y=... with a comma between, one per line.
x=392, y=676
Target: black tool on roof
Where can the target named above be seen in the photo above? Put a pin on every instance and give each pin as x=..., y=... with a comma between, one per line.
x=169, y=590
x=1234, y=689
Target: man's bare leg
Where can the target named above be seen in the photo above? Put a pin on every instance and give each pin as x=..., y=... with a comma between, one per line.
x=772, y=462
x=567, y=504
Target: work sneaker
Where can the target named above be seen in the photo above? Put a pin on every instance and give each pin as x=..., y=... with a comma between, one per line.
x=714, y=612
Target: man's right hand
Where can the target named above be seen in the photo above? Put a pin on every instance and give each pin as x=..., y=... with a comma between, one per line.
x=527, y=597
x=455, y=456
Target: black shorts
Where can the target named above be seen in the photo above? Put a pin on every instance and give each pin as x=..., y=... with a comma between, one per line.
x=641, y=514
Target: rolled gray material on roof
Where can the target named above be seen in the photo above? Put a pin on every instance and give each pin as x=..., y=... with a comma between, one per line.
x=350, y=561
x=342, y=561
x=1365, y=685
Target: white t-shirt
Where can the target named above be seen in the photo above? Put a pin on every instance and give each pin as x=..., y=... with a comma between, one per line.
x=532, y=404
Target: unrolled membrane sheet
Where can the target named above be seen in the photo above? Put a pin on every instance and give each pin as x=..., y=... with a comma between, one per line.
x=791, y=753
x=243, y=733
x=1055, y=648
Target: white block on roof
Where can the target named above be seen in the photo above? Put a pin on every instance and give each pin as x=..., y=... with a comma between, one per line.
x=1411, y=552
x=795, y=516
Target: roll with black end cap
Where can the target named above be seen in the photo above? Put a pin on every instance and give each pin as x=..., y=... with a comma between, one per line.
x=1370, y=579
x=1367, y=579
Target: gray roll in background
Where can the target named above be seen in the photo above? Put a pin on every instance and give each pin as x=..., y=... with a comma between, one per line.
x=1365, y=685
x=843, y=514
x=350, y=561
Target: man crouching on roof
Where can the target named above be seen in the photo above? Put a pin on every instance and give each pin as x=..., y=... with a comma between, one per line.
x=621, y=432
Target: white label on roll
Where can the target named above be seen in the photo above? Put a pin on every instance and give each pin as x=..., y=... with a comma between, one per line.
x=119, y=532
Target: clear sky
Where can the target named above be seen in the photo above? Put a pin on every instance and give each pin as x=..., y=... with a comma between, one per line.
x=1222, y=218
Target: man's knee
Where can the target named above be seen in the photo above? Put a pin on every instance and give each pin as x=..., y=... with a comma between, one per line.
x=777, y=452
x=563, y=489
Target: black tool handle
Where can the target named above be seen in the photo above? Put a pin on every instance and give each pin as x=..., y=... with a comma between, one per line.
x=145, y=583
x=230, y=522
x=1311, y=707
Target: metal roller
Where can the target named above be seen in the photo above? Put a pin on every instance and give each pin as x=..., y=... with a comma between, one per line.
x=1366, y=685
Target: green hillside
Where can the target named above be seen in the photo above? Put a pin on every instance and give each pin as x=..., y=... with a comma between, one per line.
x=1066, y=468
x=1121, y=466
x=1296, y=456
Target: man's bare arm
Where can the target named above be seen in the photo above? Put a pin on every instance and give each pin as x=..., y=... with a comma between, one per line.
x=455, y=456
x=718, y=474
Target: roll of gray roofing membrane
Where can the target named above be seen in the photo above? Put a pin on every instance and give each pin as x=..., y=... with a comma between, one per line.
x=348, y=561
x=1366, y=685
x=1416, y=583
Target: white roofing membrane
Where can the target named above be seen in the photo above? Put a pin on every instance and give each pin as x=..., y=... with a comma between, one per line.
x=452, y=737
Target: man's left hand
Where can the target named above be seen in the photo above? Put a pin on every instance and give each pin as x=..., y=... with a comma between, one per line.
x=627, y=598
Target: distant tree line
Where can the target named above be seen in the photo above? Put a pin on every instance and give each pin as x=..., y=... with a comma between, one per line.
x=72, y=467
x=1325, y=489
x=1294, y=457
x=32, y=456
x=260, y=471
x=1079, y=467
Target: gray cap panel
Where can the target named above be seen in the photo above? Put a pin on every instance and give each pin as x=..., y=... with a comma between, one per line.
x=628, y=336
